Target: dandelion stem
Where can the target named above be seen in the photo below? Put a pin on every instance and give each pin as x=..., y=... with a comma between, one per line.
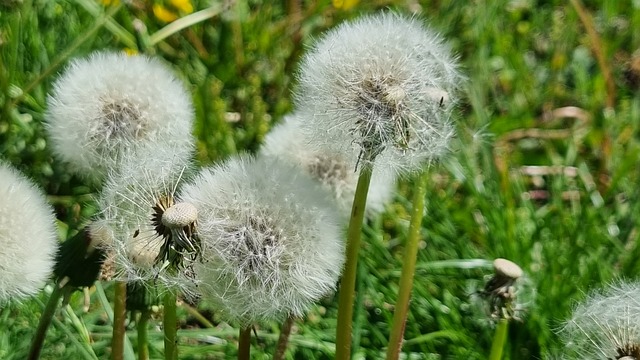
x=408, y=271
x=170, y=324
x=499, y=339
x=244, y=344
x=283, y=339
x=119, y=318
x=143, y=335
x=347, y=284
x=45, y=321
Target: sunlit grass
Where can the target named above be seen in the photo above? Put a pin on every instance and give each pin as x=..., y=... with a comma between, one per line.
x=525, y=181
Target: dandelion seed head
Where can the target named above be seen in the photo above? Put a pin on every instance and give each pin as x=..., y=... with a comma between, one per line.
x=335, y=172
x=134, y=202
x=271, y=244
x=28, y=242
x=383, y=84
x=606, y=325
x=108, y=106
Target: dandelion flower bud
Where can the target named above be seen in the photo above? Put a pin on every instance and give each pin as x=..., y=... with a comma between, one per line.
x=332, y=169
x=606, y=325
x=271, y=245
x=28, y=242
x=152, y=229
x=381, y=87
x=108, y=106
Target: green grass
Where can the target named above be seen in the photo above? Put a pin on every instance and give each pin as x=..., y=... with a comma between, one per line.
x=569, y=230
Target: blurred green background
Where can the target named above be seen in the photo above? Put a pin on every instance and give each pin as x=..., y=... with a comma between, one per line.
x=544, y=170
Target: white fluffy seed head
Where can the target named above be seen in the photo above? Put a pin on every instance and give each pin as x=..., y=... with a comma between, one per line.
x=132, y=202
x=271, y=244
x=110, y=105
x=180, y=215
x=336, y=173
x=606, y=325
x=28, y=242
x=380, y=89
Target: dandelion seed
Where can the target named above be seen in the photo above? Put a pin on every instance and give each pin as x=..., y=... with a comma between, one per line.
x=381, y=89
x=28, y=241
x=109, y=106
x=153, y=230
x=271, y=245
x=606, y=325
x=333, y=170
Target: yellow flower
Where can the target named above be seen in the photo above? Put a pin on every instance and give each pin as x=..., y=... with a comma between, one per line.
x=163, y=14
x=183, y=5
x=345, y=4
x=130, y=51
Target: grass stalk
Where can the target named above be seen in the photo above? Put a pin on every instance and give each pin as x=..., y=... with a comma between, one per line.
x=348, y=282
x=45, y=321
x=499, y=339
x=184, y=22
x=408, y=270
x=244, y=344
x=65, y=54
x=170, y=325
x=119, y=318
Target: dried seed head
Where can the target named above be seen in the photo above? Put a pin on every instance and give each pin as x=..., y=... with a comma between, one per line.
x=504, y=291
x=506, y=268
x=179, y=215
x=153, y=231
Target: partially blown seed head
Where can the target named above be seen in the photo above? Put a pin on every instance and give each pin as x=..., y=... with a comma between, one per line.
x=28, y=241
x=271, y=245
x=152, y=229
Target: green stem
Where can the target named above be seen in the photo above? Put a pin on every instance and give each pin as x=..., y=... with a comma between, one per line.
x=170, y=324
x=143, y=335
x=119, y=319
x=408, y=271
x=348, y=282
x=283, y=339
x=499, y=339
x=45, y=321
x=244, y=344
